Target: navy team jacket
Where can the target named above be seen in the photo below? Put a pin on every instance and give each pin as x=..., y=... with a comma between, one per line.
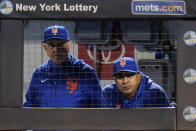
x=73, y=84
x=149, y=94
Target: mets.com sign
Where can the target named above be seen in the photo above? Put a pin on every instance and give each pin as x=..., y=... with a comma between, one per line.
x=148, y=7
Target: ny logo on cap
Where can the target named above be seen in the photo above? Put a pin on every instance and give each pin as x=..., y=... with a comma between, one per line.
x=54, y=31
x=122, y=63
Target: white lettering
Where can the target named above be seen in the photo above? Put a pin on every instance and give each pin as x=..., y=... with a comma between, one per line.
x=21, y=7
x=95, y=9
x=80, y=7
x=72, y=8
x=156, y=8
x=65, y=7
x=85, y=8
x=54, y=7
x=18, y=7
x=42, y=6
x=147, y=8
x=151, y=7
x=140, y=8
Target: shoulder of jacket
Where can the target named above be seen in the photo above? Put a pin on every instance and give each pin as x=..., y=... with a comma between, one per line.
x=43, y=68
x=151, y=85
x=80, y=63
x=157, y=89
x=109, y=87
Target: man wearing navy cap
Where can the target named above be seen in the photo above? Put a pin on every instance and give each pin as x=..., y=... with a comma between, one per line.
x=62, y=81
x=132, y=89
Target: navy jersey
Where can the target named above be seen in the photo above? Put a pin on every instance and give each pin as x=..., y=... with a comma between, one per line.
x=148, y=94
x=72, y=84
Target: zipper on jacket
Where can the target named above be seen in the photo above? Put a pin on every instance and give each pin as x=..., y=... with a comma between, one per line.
x=55, y=89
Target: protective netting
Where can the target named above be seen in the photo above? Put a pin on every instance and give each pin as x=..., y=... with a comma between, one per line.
x=99, y=43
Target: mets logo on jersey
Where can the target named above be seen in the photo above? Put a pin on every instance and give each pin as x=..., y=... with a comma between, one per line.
x=71, y=85
x=122, y=63
x=54, y=31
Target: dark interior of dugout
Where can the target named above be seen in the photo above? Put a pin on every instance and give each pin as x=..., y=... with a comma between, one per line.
x=14, y=117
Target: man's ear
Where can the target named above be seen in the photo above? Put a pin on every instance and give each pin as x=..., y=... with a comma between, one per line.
x=69, y=44
x=139, y=77
x=114, y=78
x=44, y=45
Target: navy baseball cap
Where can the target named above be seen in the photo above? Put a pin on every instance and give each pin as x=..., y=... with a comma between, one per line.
x=56, y=32
x=125, y=64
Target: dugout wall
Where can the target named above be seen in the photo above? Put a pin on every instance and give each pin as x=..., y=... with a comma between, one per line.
x=13, y=116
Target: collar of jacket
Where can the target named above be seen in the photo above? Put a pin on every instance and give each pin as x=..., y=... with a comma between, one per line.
x=54, y=68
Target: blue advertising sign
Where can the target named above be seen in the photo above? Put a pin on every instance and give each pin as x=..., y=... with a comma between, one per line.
x=147, y=7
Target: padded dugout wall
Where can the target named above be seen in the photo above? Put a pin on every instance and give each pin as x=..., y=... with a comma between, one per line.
x=186, y=86
x=11, y=67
